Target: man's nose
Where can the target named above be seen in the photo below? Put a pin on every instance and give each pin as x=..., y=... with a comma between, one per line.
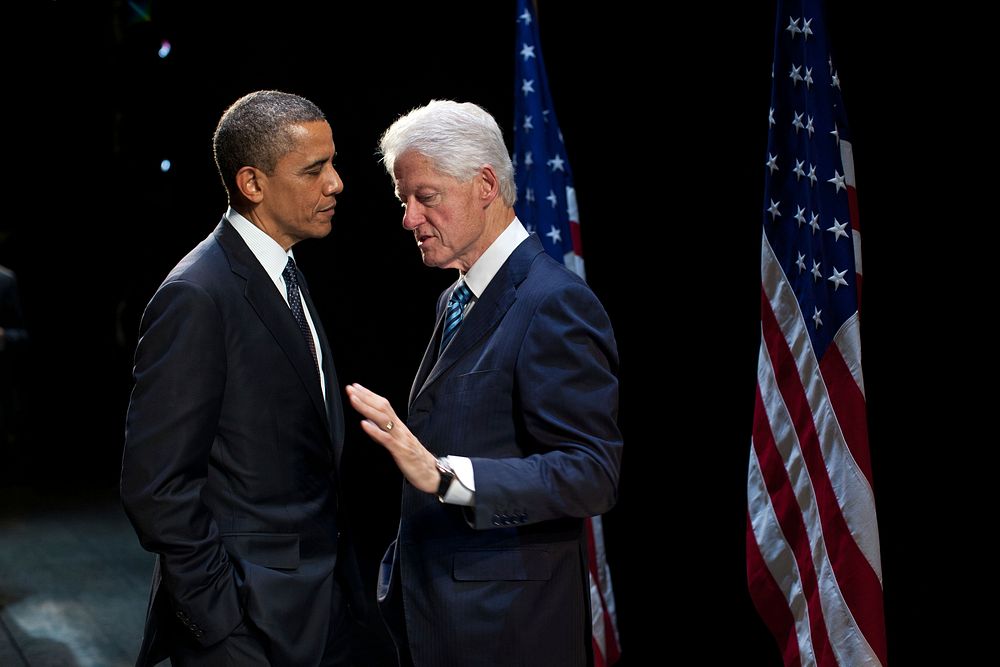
x=334, y=184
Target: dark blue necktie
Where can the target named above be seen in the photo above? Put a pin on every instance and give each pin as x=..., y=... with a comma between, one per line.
x=453, y=316
x=295, y=303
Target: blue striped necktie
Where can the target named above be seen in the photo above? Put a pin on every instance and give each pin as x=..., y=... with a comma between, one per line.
x=453, y=316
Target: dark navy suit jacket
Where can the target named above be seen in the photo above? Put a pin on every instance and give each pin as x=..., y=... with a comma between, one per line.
x=528, y=390
x=230, y=466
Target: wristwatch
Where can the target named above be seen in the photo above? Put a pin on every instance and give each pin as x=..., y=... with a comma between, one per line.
x=447, y=477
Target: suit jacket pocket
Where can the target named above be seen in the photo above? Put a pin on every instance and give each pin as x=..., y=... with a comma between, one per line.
x=503, y=565
x=473, y=381
x=275, y=550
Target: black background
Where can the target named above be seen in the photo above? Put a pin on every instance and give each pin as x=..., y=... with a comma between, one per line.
x=664, y=121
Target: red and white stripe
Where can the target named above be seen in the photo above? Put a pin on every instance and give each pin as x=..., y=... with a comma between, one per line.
x=603, y=619
x=813, y=561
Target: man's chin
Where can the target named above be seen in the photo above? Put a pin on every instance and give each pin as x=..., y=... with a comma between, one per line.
x=321, y=229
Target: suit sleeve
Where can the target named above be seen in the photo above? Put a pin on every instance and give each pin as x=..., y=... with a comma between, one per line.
x=180, y=376
x=566, y=396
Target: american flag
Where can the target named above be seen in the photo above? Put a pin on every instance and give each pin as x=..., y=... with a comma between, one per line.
x=546, y=197
x=547, y=205
x=813, y=563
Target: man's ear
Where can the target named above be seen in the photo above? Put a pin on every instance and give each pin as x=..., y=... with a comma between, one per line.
x=249, y=181
x=487, y=184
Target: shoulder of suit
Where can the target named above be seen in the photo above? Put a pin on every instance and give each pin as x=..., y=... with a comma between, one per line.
x=203, y=264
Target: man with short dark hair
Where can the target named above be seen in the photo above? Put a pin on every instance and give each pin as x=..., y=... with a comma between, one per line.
x=235, y=425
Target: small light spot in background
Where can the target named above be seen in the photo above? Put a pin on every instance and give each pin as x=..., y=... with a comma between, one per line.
x=165, y=166
x=164, y=49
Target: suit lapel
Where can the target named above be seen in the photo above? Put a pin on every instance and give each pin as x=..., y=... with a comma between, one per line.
x=489, y=310
x=431, y=353
x=274, y=313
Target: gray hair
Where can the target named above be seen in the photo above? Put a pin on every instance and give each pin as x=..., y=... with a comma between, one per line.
x=458, y=138
x=255, y=132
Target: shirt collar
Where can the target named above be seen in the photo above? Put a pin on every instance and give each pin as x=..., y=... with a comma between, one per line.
x=481, y=273
x=268, y=252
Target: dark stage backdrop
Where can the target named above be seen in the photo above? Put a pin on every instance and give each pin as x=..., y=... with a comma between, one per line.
x=664, y=119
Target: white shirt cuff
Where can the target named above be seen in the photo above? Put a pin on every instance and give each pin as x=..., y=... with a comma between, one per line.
x=463, y=490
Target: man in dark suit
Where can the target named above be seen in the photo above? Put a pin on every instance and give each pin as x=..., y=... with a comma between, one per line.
x=510, y=439
x=235, y=426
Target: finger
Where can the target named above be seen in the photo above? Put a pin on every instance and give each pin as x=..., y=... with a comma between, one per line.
x=372, y=412
x=371, y=399
x=376, y=433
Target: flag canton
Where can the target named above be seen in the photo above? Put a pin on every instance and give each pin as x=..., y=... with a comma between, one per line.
x=807, y=214
x=546, y=197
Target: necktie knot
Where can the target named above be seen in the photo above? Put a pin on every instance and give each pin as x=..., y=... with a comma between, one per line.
x=453, y=316
x=289, y=273
x=461, y=295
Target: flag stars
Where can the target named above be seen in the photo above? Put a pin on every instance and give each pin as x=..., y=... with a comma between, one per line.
x=772, y=162
x=837, y=278
x=809, y=126
x=816, y=318
x=527, y=124
x=527, y=86
x=793, y=27
x=527, y=52
x=806, y=30
x=836, y=133
x=798, y=171
x=808, y=78
x=555, y=235
x=817, y=274
x=552, y=198
x=795, y=74
x=835, y=80
x=800, y=215
x=528, y=160
x=812, y=174
x=814, y=222
x=837, y=180
x=801, y=262
x=797, y=122
x=557, y=164
x=838, y=229
x=529, y=196
x=773, y=210
x=526, y=17
x=770, y=117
